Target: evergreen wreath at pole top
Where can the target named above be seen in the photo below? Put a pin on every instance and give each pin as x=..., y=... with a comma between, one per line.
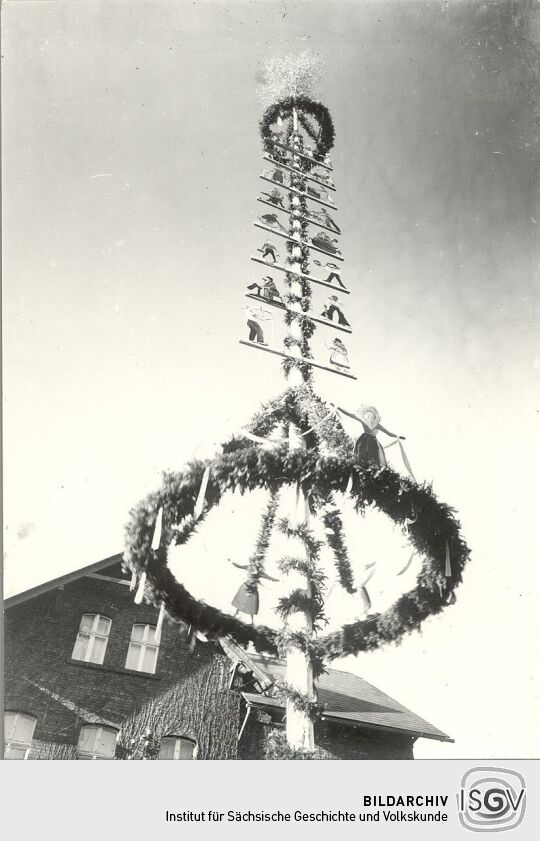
x=289, y=82
x=322, y=133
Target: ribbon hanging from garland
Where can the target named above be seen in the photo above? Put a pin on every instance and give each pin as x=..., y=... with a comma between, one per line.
x=199, y=505
x=266, y=442
x=366, y=601
x=406, y=461
x=159, y=625
x=139, y=595
x=156, y=539
x=319, y=423
x=407, y=565
x=447, y=564
x=364, y=595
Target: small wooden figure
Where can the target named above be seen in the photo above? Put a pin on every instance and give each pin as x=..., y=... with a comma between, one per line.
x=322, y=240
x=324, y=218
x=318, y=194
x=338, y=354
x=254, y=315
x=334, y=272
x=325, y=178
x=270, y=290
x=246, y=599
x=271, y=221
x=367, y=448
x=276, y=198
x=332, y=306
x=268, y=249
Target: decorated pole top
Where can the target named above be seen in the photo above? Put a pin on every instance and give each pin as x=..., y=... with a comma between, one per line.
x=297, y=133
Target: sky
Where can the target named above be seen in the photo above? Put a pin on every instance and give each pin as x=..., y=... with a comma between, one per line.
x=131, y=156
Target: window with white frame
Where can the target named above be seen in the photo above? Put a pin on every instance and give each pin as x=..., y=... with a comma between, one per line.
x=143, y=649
x=18, y=734
x=92, y=638
x=177, y=747
x=96, y=742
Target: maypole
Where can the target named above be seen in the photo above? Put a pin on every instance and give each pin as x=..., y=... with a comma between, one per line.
x=299, y=725
x=294, y=165
x=295, y=448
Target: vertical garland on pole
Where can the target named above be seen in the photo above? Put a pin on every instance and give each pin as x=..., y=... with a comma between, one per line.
x=299, y=724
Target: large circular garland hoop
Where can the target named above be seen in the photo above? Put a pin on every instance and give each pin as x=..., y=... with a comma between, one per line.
x=324, y=140
x=245, y=468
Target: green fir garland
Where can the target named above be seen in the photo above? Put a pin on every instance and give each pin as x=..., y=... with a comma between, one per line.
x=323, y=135
x=256, y=561
x=336, y=540
x=251, y=467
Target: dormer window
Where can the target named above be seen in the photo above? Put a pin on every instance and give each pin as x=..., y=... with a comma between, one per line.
x=92, y=638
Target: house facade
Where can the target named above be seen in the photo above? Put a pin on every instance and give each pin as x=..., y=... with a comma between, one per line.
x=89, y=674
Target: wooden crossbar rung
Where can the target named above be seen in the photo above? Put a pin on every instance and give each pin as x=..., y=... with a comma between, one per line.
x=312, y=198
x=297, y=241
x=276, y=231
x=274, y=206
x=302, y=155
x=305, y=218
x=281, y=306
x=298, y=359
x=298, y=192
x=304, y=276
x=299, y=172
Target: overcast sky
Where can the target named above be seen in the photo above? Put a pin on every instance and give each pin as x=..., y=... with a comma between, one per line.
x=130, y=162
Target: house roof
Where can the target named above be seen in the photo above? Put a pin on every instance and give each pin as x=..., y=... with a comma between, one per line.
x=345, y=697
x=348, y=698
x=47, y=586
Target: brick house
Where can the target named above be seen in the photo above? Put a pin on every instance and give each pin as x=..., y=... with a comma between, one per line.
x=89, y=674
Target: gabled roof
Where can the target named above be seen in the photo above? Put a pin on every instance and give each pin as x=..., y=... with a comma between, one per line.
x=47, y=586
x=348, y=698
x=345, y=697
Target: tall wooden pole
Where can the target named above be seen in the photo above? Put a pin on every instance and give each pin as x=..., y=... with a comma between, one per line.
x=299, y=726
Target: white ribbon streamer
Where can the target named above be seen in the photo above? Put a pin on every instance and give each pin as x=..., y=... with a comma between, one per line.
x=159, y=625
x=447, y=564
x=199, y=505
x=407, y=565
x=157, y=530
x=139, y=595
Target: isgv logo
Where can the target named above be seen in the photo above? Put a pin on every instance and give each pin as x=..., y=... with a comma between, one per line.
x=491, y=799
